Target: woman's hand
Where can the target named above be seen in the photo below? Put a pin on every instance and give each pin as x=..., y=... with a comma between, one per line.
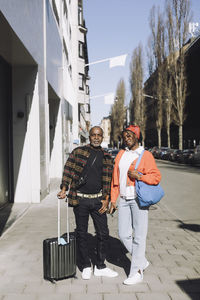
x=112, y=208
x=134, y=175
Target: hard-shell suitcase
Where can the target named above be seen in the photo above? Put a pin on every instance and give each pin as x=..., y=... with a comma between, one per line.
x=59, y=254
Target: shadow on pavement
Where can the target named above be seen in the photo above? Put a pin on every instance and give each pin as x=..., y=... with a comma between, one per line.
x=115, y=254
x=191, y=227
x=4, y=216
x=190, y=287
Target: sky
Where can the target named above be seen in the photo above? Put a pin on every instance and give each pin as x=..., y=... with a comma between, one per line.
x=116, y=27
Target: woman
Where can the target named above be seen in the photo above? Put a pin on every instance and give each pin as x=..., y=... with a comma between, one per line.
x=130, y=216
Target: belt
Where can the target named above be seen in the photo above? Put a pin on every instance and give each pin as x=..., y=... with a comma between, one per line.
x=127, y=199
x=89, y=195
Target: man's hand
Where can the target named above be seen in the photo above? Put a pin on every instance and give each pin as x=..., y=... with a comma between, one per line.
x=104, y=207
x=113, y=207
x=134, y=175
x=62, y=194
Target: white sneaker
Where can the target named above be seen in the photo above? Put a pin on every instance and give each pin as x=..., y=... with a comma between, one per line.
x=105, y=272
x=146, y=266
x=137, y=278
x=86, y=274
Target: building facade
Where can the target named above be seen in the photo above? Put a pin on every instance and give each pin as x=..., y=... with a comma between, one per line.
x=39, y=94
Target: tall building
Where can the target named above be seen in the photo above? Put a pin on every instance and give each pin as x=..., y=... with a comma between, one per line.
x=43, y=51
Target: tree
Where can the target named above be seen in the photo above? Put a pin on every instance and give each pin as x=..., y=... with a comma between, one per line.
x=159, y=55
x=178, y=17
x=138, y=111
x=118, y=114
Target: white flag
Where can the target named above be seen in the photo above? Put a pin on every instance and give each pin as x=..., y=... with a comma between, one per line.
x=117, y=61
x=109, y=98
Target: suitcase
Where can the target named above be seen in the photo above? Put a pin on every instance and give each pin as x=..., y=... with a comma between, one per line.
x=59, y=254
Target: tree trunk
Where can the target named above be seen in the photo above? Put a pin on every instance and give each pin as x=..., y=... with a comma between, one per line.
x=159, y=137
x=168, y=136
x=180, y=134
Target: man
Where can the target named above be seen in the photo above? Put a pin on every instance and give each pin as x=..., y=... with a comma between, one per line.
x=88, y=172
x=130, y=216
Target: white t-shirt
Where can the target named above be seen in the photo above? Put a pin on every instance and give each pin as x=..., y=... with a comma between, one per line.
x=127, y=158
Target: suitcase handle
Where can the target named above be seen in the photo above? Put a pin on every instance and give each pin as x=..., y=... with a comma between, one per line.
x=59, y=239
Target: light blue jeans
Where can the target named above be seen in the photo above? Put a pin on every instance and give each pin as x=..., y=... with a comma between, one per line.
x=133, y=219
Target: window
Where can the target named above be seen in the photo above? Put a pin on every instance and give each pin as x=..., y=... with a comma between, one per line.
x=87, y=90
x=81, y=81
x=88, y=108
x=80, y=15
x=81, y=49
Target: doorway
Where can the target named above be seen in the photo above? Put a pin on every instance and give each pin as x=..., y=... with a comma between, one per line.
x=5, y=132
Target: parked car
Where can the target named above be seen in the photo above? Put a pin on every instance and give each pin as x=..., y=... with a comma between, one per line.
x=154, y=151
x=175, y=154
x=195, y=159
x=185, y=156
x=162, y=151
x=167, y=154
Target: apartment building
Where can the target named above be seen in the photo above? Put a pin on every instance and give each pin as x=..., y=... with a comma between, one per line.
x=44, y=103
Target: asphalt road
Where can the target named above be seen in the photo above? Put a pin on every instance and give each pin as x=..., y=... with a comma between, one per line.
x=181, y=184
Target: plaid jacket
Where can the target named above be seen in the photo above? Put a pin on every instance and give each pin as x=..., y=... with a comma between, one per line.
x=74, y=167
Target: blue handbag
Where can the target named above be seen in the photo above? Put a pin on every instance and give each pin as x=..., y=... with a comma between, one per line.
x=147, y=194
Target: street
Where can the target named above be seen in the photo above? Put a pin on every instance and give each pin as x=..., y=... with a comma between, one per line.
x=173, y=246
x=182, y=190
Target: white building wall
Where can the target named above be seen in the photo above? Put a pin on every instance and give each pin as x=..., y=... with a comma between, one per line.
x=38, y=62
x=56, y=161
x=26, y=136
x=74, y=55
x=26, y=19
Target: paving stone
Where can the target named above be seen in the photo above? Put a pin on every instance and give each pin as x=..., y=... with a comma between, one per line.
x=181, y=296
x=142, y=287
x=164, y=287
x=153, y=296
x=86, y=297
x=55, y=297
x=172, y=277
x=12, y=288
x=40, y=289
x=71, y=289
x=183, y=270
x=120, y=297
x=149, y=277
x=20, y=297
x=102, y=288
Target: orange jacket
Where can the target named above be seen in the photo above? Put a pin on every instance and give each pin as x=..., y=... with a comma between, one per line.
x=147, y=166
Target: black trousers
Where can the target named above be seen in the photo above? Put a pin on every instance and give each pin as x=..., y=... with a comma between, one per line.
x=89, y=207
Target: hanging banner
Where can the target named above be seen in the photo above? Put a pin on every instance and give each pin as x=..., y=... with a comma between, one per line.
x=109, y=98
x=118, y=61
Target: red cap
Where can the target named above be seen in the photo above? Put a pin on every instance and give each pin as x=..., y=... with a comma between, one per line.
x=135, y=129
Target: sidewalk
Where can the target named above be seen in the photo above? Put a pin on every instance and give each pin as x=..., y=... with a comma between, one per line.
x=173, y=252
